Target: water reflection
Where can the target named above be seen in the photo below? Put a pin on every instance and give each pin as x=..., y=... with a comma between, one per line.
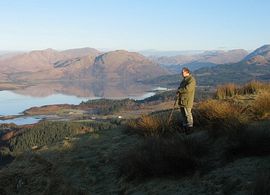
x=14, y=102
x=84, y=88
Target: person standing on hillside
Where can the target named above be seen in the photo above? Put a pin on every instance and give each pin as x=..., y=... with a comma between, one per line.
x=186, y=92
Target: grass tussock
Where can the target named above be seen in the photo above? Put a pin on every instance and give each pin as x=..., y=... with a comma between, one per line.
x=228, y=90
x=254, y=87
x=153, y=125
x=261, y=184
x=231, y=90
x=219, y=116
x=261, y=105
x=212, y=109
x=156, y=157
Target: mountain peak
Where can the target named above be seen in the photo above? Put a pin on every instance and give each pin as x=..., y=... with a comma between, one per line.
x=81, y=52
x=122, y=63
x=265, y=47
x=119, y=57
x=262, y=53
x=49, y=49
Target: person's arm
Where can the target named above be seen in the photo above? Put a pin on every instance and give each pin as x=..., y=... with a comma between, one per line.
x=188, y=87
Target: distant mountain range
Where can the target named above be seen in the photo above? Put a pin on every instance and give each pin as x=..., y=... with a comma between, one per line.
x=41, y=60
x=8, y=54
x=254, y=66
x=82, y=64
x=93, y=65
x=199, y=60
x=158, y=53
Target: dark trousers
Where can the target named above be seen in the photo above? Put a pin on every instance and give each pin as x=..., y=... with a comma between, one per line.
x=187, y=116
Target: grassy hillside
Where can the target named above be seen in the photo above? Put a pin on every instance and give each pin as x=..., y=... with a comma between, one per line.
x=239, y=73
x=192, y=66
x=228, y=152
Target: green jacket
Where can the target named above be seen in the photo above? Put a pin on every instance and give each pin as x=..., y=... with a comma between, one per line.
x=186, y=92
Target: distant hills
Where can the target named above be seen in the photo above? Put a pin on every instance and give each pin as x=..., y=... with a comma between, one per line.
x=199, y=60
x=254, y=66
x=126, y=64
x=82, y=64
x=259, y=56
x=216, y=57
x=211, y=67
x=40, y=60
x=8, y=54
x=192, y=66
x=158, y=53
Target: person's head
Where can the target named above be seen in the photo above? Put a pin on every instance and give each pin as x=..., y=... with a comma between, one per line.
x=185, y=72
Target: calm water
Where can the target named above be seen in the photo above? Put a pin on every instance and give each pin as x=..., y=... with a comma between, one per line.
x=22, y=120
x=12, y=103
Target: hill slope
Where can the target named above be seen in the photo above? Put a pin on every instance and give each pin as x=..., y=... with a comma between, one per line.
x=255, y=66
x=125, y=65
x=215, y=57
x=80, y=64
x=41, y=60
x=259, y=56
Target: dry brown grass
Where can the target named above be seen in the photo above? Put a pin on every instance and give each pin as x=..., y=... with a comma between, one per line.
x=152, y=125
x=228, y=90
x=261, y=105
x=214, y=109
x=231, y=90
x=220, y=116
x=254, y=87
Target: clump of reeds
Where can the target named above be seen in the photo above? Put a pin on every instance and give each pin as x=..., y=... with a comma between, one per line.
x=228, y=90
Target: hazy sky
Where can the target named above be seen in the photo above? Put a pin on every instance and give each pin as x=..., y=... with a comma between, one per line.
x=134, y=24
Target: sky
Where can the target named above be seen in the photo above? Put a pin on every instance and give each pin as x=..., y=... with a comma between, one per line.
x=134, y=24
